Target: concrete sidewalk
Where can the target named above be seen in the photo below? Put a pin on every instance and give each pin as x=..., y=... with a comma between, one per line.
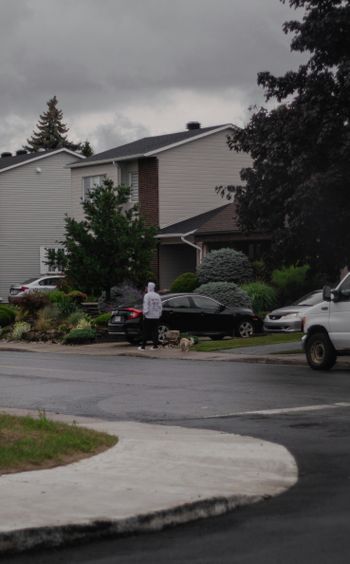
x=261, y=354
x=156, y=476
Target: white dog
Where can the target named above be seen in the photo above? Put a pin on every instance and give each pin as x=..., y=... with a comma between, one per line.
x=186, y=343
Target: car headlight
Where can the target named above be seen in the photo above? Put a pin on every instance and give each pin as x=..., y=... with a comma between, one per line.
x=292, y=316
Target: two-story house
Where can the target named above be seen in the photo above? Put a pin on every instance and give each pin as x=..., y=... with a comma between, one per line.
x=35, y=194
x=173, y=178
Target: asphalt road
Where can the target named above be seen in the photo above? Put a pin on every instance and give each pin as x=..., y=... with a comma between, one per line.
x=294, y=406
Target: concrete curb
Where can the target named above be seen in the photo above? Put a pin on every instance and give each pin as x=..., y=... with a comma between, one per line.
x=116, y=350
x=49, y=537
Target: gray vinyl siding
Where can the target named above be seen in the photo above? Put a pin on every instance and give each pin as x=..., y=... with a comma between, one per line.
x=188, y=175
x=108, y=170
x=32, y=209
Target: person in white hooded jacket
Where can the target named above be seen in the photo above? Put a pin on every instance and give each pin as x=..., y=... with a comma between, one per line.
x=152, y=310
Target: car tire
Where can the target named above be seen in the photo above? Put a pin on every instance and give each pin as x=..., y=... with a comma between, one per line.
x=320, y=353
x=244, y=328
x=162, y=331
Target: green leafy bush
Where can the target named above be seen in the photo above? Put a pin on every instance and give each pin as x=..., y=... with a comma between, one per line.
x=19, y=330
x=228, y=293
x=102, y=320
x=263, y=296
x=291, y=282
x=225, y=265
x=64, y=302
x=74, y=318
x=80, y=336
x=186, y=282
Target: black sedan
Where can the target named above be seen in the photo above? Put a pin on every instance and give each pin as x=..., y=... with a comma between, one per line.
x=189, y=313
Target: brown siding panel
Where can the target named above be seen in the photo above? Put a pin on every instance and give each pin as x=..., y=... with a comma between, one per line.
x=149, y=199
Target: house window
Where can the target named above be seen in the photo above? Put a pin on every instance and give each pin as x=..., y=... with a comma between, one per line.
x=134, y=186
x=90, y=183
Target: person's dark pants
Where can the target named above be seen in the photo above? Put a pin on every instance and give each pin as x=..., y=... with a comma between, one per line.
x=150, y=331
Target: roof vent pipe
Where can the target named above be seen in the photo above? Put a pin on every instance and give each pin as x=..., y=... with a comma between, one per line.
x=193, y=125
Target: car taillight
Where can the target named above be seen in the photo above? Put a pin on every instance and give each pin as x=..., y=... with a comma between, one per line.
x=23, y=288
x=133, y=313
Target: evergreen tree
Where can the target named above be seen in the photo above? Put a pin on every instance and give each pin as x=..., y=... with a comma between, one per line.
x=298, y=186
x=112, y=245
x=86, y=149
x=51, y=131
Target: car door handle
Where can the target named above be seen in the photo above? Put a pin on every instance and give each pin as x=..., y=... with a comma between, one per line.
x=325, y=308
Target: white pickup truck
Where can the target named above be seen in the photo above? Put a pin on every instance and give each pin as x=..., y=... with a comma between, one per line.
x=327, y=327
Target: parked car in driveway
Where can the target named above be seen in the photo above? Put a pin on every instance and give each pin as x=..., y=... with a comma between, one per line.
x=288, y=319
x=40, y=284
x=188, y=313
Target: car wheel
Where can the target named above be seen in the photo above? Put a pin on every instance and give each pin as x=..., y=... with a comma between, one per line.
x=162, y=331
x=245, y=329
x=320, y=353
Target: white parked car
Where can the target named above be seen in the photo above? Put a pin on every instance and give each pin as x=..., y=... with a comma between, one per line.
x=45, y=283
x=288, y=319
x=327, y=327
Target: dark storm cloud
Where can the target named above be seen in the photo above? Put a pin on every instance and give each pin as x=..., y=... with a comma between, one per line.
x=103, y=55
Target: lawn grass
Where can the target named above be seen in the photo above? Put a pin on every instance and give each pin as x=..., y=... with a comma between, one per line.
x=28, y=443
x=272, y=339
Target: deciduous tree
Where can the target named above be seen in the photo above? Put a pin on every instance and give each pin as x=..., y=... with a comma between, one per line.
x=298, y=186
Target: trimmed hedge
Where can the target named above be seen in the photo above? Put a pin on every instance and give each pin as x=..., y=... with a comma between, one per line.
x=228, y=293
x=80, y=336
x=186, y=282
x=225, y=265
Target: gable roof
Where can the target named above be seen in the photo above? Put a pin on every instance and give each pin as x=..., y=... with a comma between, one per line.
x=7, y=163
x=220, y=220
x=149, y=146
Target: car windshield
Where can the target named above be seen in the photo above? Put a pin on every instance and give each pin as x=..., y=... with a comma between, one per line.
x=309, y=300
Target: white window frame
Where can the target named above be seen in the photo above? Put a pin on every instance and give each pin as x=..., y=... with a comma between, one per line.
x=89, y=183
x=134, y=186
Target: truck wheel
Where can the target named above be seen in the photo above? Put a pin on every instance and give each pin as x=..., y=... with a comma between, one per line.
x=320, y=353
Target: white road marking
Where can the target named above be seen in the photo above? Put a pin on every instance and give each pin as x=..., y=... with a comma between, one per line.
x=282, y=410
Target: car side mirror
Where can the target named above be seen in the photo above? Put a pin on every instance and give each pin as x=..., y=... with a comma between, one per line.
x=326, y=293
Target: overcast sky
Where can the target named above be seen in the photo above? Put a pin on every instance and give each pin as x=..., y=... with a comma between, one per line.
x=124, y=69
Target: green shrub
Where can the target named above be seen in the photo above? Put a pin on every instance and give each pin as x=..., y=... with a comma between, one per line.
x=186, y=282
x=83, y=323
x=80, y=336
x=74, y=318
x=291, y=282
x=228, y=293
x=263, y=296
x=47, y=318
x=225, y=265
x=102, y=320
x=19, y=330
x=64, y=302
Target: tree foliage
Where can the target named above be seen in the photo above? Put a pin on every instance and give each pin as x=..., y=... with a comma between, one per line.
x=51, y=131
x=110, y=246
x=298, y=186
